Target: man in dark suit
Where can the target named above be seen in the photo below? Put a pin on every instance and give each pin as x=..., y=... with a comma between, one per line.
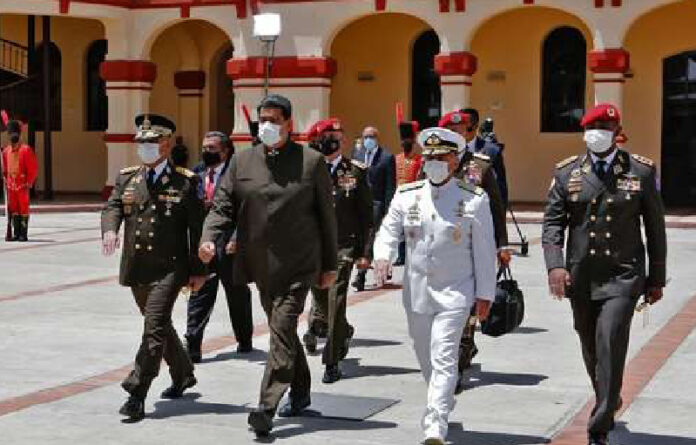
x=216, y=157
x=600, y=197
x=381, y=176
x=278, y=197
x=477, y=144
x=163, y=216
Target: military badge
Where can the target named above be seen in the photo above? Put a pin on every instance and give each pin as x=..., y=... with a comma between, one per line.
x=128, y=199
x=618, y=169
x=459, y=211
x=474, y=175
x=347, y=183
x=413, y=215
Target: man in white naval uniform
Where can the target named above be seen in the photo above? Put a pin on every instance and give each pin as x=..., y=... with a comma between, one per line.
x=450, y=264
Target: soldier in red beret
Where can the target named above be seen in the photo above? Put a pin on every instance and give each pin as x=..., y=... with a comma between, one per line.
x=19, y=170
x=600, y=197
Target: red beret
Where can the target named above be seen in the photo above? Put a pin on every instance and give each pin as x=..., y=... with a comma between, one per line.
x=332, y=124
x=453, y=118
x=601, y=113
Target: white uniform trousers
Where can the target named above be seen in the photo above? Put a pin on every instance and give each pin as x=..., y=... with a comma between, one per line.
x=436, y=340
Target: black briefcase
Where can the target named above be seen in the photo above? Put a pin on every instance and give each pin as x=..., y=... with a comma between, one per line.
x=507, y=311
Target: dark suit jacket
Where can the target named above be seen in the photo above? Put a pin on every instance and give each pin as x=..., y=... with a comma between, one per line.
x=494, y=152
x=354, y=207
x=282, y=209
x=605, y=250
x=381, y=176
x=222, y=241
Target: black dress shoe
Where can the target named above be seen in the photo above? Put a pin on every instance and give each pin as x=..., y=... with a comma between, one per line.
x=261, y=422
x=134, y=409
x=332, y=374
x=244, y=348
x=598, y=439
x=310, y=341
x=294, y=407
x=176, y=391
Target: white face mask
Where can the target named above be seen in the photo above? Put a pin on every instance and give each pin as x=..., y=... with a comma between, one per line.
x=599, y=141
x=269, y=133
x=370, y=143
x=148, y=152
x=436, y=171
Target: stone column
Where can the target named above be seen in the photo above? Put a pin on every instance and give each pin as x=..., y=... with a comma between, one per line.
x=609, y=67
x=456, y=71
x=190, y=85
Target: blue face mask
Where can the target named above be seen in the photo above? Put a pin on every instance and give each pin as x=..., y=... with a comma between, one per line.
x=370, y=143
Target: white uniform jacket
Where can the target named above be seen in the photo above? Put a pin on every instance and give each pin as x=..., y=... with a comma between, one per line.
x=451, y=254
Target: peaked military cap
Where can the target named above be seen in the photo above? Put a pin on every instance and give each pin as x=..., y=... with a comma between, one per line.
x=438, y=141
x=153, y=126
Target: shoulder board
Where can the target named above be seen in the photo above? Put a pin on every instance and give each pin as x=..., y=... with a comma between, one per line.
x=476, y=190
x=133, y=169
x=358, y=164
x=185, y=171
x=411, y=186
x=643, y=160
x=482, y=156
x=566, y=161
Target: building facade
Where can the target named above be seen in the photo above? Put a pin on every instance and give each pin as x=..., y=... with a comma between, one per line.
x=532, y=65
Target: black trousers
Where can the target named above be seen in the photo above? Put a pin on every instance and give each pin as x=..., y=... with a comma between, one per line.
x=159, y=339
x=332, y=303
x=201, y=303
x=286, y=366
x=604, y=328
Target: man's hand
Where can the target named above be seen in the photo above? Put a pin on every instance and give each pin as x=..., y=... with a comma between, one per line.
x=483, y=308
x=559, y=280
x=110, y=242
x=206, y=252
x=327, y=279
x=196, y=282
x=653, y=295
x=382, y=268
x=504, y=256
x=231, y=247
x=362, y=263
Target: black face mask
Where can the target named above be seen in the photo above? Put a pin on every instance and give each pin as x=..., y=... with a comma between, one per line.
x=327, y=145
x=211, y=159
x=407, y=146
x=14, y=138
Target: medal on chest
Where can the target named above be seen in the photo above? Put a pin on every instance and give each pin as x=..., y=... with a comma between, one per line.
x=170, y=197
x=346, y=182
x=575, y=185
x=474, y=174
x=629, y=183
x=128, y=199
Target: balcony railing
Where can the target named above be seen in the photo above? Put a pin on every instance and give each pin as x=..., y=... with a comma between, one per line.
x=14, y=58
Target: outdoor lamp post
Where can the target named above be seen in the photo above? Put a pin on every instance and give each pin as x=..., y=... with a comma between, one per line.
x=267, y=30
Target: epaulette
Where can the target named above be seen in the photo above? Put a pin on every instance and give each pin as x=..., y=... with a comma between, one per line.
x=411, y=186
x=358, y=164
x=185, y=171
x=566, y=161
x=125, y=171
x=482, y=156
x=643, y=160
x=471, y=188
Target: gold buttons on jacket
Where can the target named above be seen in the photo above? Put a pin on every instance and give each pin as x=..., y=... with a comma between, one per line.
x=592, y=251
x=137, y=247
x=154, y=207
x=140, y=220
x=594, y=201
x=609, y=218
x=152, y=220
x=608, y=235
x=592, y=234
x=150, y=248
x=151, y=234
x=593, y=218
x=610, y=200
x=137, y=232
x=607, y=252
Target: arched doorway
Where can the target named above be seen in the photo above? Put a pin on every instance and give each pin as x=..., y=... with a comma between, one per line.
x=369, y=83
x=678, y=130
x=222, y=103
x=426, y=95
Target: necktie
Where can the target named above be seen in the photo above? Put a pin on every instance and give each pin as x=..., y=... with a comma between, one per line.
x=600, y=169
x=210, y=185
x=151, y=177
x=329, y=167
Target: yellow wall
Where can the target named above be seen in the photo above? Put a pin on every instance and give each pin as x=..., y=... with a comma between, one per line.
x=663, y=33
x=79, y=157
x=382, y=45
x=512, y=43
x=190, y=45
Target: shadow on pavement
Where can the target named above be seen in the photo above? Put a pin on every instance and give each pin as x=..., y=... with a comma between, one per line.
x=189, y=405
x=256, y=355
x=457, y=435
x=529, y=330
x=372, y=343
x=480, y=378
x=286, y=428
x=352, y=369
x=623, y=436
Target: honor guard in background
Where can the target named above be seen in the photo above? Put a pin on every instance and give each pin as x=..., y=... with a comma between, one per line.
x=450, y=265
x=599, y=198
x=19, y=170
x=216, y=157
x=278, y=197
x=408, y=166
x=353, y=204
x=475, y=168
x=163, y=216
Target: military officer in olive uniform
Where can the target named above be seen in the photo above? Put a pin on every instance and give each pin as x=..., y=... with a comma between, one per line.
x=278, y=196
x=476, y=167
x=600, y=198
x=163, y=217
x=353, y=203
